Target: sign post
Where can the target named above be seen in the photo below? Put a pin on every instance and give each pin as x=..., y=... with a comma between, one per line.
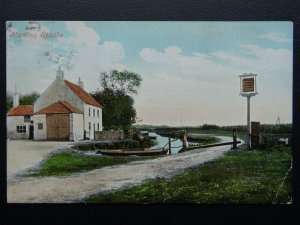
x=247, y=89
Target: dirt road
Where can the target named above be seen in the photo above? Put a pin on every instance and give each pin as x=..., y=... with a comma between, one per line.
x=25, y=154
x=77, y=187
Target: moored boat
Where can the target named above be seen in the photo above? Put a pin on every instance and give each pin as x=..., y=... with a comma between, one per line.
x=129, y=152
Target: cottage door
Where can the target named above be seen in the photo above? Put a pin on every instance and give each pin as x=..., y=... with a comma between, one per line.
x=58, y=127
x=31, y=129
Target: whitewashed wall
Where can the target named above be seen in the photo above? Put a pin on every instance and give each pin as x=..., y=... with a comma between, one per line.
x=40, y=134
x=76, y=127
x=58, y=91
x=92, y=119
x=12, y=123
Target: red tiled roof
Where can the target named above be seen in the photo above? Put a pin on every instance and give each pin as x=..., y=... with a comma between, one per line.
x=82, y=94
x=21, y=110
x=59, y=107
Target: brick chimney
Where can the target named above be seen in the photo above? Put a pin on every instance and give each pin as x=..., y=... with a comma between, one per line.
x=80, y=84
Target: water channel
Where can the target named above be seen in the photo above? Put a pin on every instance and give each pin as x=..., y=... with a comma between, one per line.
x=162, y=141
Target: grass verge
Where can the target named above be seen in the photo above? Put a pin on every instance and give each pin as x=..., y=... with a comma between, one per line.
x=243, y=177
x=67, y=163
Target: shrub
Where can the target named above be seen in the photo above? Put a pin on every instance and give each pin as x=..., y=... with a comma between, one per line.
x=268, y=141
x=147, y=143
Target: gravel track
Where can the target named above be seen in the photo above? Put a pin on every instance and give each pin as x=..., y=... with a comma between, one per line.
x=79, y=186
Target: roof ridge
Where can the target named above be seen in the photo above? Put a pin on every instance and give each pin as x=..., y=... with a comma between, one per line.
x=66, y=105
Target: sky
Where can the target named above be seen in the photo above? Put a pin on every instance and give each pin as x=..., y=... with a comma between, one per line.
x=190, y=70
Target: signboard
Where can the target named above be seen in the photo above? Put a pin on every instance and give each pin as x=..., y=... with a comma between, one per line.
x=248, y=84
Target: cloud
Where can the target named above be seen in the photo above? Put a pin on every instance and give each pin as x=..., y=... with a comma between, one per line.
x=27, y=60
x=82, y=33
x=197, y=67
x=276, y=37
x=253, y=57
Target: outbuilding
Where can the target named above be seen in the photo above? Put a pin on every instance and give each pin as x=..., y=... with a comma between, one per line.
x=58, y=122
x=19, y=122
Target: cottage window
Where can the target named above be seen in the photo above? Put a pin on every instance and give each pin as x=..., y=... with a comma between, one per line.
x=89, y=125
x=21, y=129
x=40, y=126
x=93, y=112
x=27, y=119
x=89, y=111
x=98, y=113
x=98, y=126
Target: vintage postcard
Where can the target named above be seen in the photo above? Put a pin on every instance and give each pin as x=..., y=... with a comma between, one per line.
x=149, y=112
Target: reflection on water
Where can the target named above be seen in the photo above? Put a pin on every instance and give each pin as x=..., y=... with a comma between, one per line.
x=162, y=141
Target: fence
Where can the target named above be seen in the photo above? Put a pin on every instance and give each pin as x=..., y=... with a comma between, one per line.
x=109, y=135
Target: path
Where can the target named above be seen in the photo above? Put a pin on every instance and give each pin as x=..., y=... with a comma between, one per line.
x=77, y=187
x=24, y=154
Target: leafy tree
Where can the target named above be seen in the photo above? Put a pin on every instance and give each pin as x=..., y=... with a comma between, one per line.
x=27, y=99
x=118, y=106
x=126, y=82
x=9, y=102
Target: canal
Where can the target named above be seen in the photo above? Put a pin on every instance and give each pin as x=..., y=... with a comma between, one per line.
x=162, y=141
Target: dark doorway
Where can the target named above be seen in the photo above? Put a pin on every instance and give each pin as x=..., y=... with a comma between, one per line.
x=31, y=129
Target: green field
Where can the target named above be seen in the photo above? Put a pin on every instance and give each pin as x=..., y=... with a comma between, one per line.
x=242, y=176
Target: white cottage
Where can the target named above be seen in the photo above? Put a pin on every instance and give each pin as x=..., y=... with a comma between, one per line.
x=19, y=122
x=65, y=111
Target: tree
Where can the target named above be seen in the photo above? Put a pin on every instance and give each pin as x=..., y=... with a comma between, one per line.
x=9, y=102
x=118, y=106
x=126, y=82
x=27, y=99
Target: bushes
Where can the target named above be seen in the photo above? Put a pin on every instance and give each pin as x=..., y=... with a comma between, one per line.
x=147, y=143
x=127, y=143
x=124, y=144
x=268, y=141
x=202, y=139
x=271, y=140
x=209, y=127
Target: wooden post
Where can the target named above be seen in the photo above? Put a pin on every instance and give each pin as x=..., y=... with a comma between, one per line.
x=234, y=136
x=255, y=134
x=184, y=142
x=170, y=152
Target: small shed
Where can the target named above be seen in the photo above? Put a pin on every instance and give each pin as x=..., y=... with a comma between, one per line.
x=19, y=122
x=59, y=121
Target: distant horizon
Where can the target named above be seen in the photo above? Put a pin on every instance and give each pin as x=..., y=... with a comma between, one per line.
x=210, y=124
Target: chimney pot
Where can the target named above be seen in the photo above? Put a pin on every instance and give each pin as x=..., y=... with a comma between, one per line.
x=80, y=83
x=60, y=73
x=16, y=97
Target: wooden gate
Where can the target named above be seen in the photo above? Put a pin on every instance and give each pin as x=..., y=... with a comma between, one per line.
x=58, y=127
